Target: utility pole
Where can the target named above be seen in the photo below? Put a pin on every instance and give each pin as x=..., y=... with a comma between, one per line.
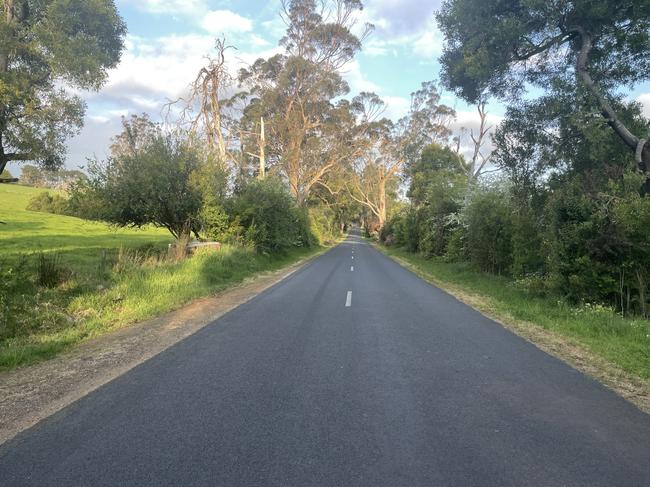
x=262, y=146
x=262, y=174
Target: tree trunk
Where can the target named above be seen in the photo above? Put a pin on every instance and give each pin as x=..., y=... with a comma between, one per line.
x=641, y=279
x=262, y=173
x=382, y=203
x=637, y=145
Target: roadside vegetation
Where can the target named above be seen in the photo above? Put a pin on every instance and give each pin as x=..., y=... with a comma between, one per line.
x=64, y=279
x=551, y=223
x=547, y=213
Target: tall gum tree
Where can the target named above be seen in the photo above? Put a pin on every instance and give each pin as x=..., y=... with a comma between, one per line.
x=296, y=92
x=46, y=45
x=390, y=147
x=499, y=47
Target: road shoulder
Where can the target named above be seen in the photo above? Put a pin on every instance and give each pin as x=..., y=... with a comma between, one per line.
x=32, y=393
x=632, y=388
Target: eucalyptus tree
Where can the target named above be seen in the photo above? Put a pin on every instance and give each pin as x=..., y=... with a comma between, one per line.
x=296, y=91
x=45, y=46
x=388, y=148
x=591, y=46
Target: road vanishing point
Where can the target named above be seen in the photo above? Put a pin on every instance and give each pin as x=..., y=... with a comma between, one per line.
x=350, y=372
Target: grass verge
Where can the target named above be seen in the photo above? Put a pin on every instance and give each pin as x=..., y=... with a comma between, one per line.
x=64, y=279
x=53, y=320
x=594, y=339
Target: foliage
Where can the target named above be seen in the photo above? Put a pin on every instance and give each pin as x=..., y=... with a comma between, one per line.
x=48, y=45
x=270, y=217
x=585, y=48
x=48, y=203
x=487, y=43
x=299, y=93
x=489, y=230
x=325, y=224
x=152, y=182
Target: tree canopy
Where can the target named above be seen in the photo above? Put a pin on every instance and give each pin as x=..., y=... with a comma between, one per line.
x=502, y=47
x=45, y=46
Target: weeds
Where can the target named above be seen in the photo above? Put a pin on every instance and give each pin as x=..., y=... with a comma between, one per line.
x=50, y=271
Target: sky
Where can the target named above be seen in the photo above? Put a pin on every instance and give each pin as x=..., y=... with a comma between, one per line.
x=168, y=40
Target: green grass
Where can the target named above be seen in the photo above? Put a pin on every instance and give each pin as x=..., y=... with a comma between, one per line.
x=78, y=241
x=622, y=341
x=108, y=278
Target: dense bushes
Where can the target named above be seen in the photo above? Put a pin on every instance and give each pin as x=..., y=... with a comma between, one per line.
x=585, y=239
x=173, y=181
x=270, y=217
x=583, y=235
x=488, y=225
x=48, y=203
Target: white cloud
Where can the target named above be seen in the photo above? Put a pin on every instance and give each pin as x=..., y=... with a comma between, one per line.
x=257, y=41
x=429, y=44
x=401, y=25
x=185, y=7
x=355, y=78
x=220, y=21
x=396, y=107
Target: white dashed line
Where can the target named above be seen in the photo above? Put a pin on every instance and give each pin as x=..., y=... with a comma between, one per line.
x=348, y=300
x=352, y=268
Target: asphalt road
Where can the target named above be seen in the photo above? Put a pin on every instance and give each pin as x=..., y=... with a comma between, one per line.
x=341, y=377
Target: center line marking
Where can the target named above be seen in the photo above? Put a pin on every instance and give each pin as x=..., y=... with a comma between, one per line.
x=352, y=268
x=348, y=300
x=353, y=257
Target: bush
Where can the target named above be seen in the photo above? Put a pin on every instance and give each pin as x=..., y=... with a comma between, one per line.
x=489, y=230
x=215, y=223
x=270, y=217
x=48, y=203
x=402, y=229
x=324, y=224
x=153, y=182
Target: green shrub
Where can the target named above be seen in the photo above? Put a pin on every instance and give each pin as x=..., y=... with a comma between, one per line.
x=489, y=227
x=48, y=203
x=324, y=224
x=273, y=222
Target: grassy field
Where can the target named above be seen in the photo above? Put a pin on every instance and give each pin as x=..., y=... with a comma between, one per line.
x=104, y=278
x=78, y=241
x=622, y=341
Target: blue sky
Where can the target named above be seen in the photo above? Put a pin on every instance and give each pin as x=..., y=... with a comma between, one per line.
x=168, y=39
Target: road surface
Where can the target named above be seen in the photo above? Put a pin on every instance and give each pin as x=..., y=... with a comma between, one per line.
x=351, y=372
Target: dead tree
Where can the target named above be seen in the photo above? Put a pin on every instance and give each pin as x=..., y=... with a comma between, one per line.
x=473, y=167
x=202, y=111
